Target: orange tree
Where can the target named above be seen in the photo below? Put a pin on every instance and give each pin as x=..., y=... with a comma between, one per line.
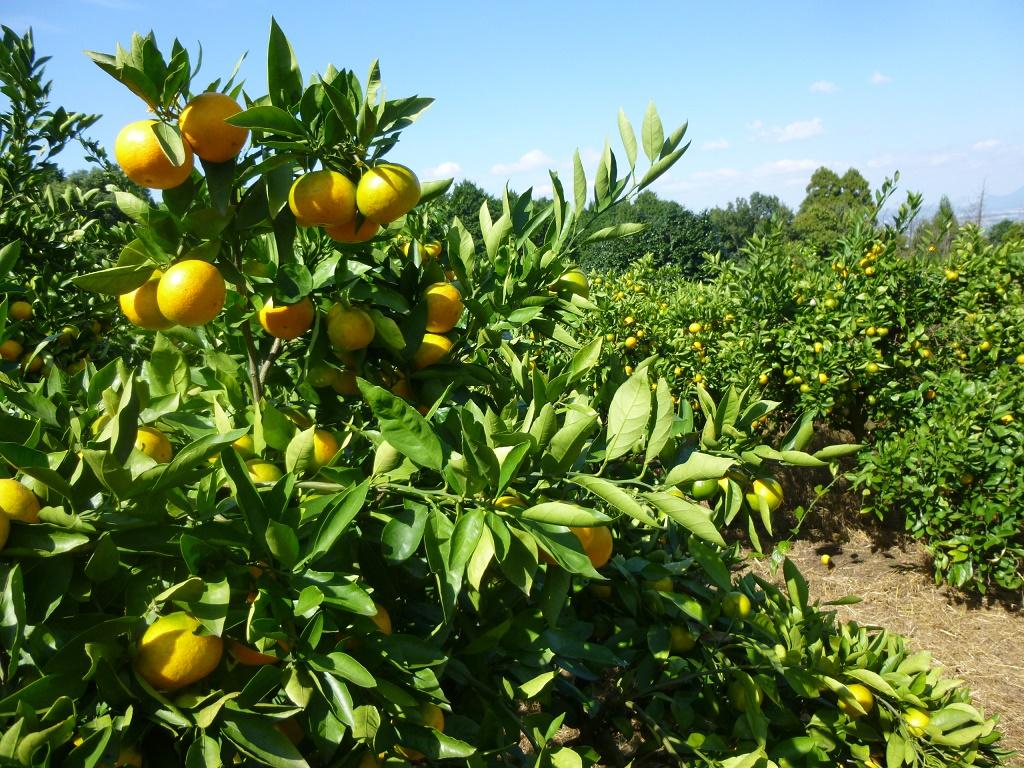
x=340, y=517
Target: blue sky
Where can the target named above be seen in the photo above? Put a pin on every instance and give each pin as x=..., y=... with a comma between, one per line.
x=771, y=90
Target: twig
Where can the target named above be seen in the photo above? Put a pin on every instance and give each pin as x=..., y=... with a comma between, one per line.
x=275, y=351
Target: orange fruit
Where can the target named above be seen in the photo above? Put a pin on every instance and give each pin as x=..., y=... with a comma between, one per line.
x=508, y=501
x=863, y=696
x=387, y=192
x=191, y=292
x=769, y=489
x=31, y=366
x=352, y=231
x=154, y=443
x=141, y=308
x=325, y=198
x=249, y=657
x=263, y=471
x=431, y=250
x=597, y=543
x=171, y=655
x=402, y=389
x=345, y=384
x=288, y=321
x=20, y=310
x=382, y=619
x=140, y=156
x=431, y=716
x=11, y=350
x=350, y=329
x=202, y=125
x=681, y=639
x=325, y=447
x=574, y=281
x=444, y=307
x=432, y=349
x=17, y=502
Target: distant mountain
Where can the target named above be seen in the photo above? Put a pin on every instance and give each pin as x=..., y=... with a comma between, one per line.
x=997, y=208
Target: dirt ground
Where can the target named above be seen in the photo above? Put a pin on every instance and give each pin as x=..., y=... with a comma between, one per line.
x=982, y=644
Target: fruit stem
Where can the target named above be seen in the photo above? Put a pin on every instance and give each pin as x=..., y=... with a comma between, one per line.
x=275, y=351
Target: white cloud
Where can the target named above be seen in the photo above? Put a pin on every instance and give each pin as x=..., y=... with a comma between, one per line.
x=535, y=158
x=986, y=144
x=824, y=86
x=715, y=144
x=943, y=158
x=879, y=79
x=795, y=131
x=445, y=170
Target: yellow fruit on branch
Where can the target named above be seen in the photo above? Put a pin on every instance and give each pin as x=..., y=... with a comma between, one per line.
x=736, y=605
x=432, y=350
x=17, y=502
x=154, y=443
x=326, y=198
x=387, y=192
x=11, y=350
x=20, y=311
x=261, y=471
x=681, y=640
x=354, y=231
x=768, y=489
x=287, y=321
x=142, y=159
x=245, y=447
x=191, y=292
x=575, y=282
x=325, y=447
x=141, y=307
x=202, y=125
x=597, y=542
x=247, y=656
x=916, y=720
x=350, y=328
x=171, y=655
x=864, y=697
x=630, y=342
x=444, y=307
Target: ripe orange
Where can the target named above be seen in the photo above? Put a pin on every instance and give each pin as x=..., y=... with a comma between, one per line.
x=171, y=655
x=350, y=329
x=154, y=443
x=863, y=696
x=325, y=446
x=11, y=350
x=509, y=500
x=432, y=349
x=288, y=321
x=769, y=489
x=141, y=308
x=403, y=389
x=140, y=156
x=325, y=198
x=17, y=502
x=736, y=605
x=444, y=307
x=597, y=543
x=249, y=657
x=387, y=192
x=345, y=384
x=382, y=619
x=353, y=232
x=202, y=126
x=20, y=310
x=31, y=366
x=431, y=250
x=191, y=292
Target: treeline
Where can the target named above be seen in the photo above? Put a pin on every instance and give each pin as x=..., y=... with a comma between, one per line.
x=676, y=235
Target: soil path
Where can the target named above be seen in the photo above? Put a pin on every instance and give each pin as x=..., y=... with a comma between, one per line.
x=981, y=644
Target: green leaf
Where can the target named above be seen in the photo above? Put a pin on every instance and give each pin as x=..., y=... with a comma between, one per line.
x=9, y=256
x=579, y=181
x=430, y=190
x=564, y=513
x=614, y=232
x=270, y=119
x=628, y=138
x=660, y=167
x=693, y=517
x=167, y=368
x=337, y=517
x=283, y=77
x=403, y=532
x=799, y=434
x=652, y=133
x=114, y=281
x=403, y=426
x=699, y=466
x=251, y=734
x=664, y=420
x=628, y=415
x=622, y=500
x=298, y=457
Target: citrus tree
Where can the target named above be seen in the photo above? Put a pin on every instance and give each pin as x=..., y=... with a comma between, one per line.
x=341, y=516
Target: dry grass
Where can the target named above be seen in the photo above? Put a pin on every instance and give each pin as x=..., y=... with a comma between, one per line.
x=978, y=643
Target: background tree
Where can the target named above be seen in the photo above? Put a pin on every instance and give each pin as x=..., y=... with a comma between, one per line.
x=940, y=230
x=673, y=235
x=1005, y=231
x=464, y=200
x=740, y=220
x=831, y=200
